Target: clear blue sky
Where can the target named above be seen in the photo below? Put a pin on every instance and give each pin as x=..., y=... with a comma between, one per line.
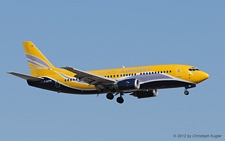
x=106, y=34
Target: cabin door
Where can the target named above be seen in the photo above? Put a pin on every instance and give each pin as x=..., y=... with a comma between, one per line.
x=179, y=72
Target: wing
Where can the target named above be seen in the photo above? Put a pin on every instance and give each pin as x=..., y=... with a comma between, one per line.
x=90, y=78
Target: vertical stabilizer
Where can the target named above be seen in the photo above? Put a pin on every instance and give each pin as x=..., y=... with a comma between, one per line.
x=36, y=60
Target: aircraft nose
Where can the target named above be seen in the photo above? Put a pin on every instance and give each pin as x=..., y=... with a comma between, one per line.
x=205, y=76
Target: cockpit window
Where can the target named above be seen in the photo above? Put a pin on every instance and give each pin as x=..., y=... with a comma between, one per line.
x=193, y=69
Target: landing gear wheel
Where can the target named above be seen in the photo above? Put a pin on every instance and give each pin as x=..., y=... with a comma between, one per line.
x=110, y=96
x=186, y=92
x=120, y=100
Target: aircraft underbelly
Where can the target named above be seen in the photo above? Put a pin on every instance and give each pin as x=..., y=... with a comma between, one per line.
x=165, y=84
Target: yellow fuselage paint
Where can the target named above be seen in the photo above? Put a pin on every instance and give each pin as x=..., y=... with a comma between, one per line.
x=178, y=71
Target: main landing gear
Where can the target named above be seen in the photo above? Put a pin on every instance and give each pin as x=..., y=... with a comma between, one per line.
x=119, y=99
x=110, y=96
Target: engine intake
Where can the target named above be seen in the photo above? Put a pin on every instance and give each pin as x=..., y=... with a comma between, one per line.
x=128, y=84
x=145, y=94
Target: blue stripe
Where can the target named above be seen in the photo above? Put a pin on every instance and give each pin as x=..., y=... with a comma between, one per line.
x=34, y=58
x=66, y=76
x=34, y=63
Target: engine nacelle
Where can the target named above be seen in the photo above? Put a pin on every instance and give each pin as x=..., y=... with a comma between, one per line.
x=127, y=84
x=145, y=94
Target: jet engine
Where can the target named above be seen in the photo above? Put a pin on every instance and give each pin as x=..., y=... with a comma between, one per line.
x=145, y=94
x=127, y=84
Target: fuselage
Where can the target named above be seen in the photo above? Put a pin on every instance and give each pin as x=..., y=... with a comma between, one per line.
x=150, y=77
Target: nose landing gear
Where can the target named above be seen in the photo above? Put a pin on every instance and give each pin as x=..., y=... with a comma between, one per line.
x=186, y=92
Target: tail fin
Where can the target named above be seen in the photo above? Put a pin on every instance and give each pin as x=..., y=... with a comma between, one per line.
x=36, y=60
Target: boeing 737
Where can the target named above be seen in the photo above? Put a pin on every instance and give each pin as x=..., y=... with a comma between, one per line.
x=140, y=81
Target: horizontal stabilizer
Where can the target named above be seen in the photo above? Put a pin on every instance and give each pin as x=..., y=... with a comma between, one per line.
x=24, y=76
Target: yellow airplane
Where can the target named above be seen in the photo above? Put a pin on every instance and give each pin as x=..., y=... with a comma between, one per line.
x=140, y=81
